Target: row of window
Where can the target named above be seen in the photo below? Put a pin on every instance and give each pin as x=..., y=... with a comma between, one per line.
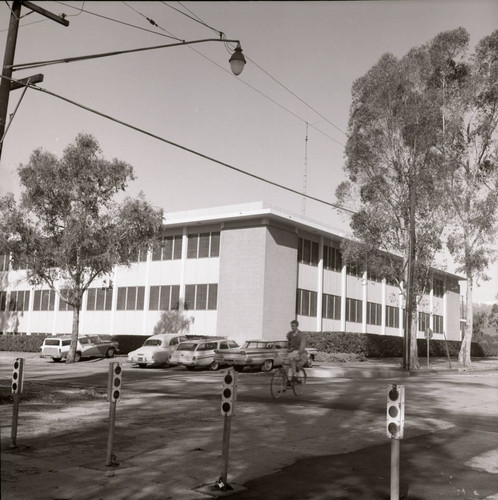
x=306, y=305
x=161, y=298
x=199, y=245
x=308, y=253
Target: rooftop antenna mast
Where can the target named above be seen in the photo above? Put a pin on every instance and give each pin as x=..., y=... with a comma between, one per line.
x=305, y=176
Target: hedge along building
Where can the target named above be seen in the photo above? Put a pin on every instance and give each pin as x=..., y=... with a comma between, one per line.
x=240, y=271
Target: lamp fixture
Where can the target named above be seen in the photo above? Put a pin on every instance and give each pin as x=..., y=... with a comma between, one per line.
x=237, y=61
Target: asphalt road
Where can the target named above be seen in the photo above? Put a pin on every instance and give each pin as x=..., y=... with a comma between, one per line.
x=328, y=443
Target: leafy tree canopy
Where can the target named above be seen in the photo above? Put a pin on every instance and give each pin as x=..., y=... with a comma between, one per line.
x=68, y=229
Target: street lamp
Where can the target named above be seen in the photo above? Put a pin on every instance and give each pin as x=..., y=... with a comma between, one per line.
x=237, y=60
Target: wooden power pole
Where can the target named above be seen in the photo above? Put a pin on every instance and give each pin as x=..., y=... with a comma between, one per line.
x=6, y=84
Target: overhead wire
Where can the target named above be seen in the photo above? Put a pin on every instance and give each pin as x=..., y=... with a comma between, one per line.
x=86, y=11
x=177, y=145
x=198, y=19
x=169, y=35
x=251, y=86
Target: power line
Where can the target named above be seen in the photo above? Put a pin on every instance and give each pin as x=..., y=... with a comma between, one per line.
x=116, y=20
x=265, y=72
x=170, y=35
x=197, y=19
x=184, y=148
x=254, y=88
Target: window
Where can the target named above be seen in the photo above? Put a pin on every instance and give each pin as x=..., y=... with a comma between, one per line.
x=202, y=245
x=332, y=258
x=168, y=248
x=212, y=297
x=392, y=317
x=374, y=314
x=353, y=311
x=423, y=321
x=307, y=252
x=306, y=302
x=4, y=262
x=99, y=299
x=438, y=323
x=44, y=300
x=201, y=297
x=438, y=287
x=19, y=301
x=131, y=298
x=331, y=306
x=164, y=298
x=354, y=269
x=3, y=300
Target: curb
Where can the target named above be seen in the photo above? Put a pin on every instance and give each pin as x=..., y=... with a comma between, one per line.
x=386, y=372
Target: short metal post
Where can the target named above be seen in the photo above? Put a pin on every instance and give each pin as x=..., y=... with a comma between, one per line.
x=113, y=395
x=15, y=417
x=395, y=469
x=225, y=451
x=428, y=351
x=16, y=387
x=110, y=458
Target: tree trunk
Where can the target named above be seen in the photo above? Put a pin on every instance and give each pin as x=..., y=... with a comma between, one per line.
x=464, y=354
x=74, y=334
x=414, y=364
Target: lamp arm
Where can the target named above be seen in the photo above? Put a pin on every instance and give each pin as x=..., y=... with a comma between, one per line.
x=16, y=67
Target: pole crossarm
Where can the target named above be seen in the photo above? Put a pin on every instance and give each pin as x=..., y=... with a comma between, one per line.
x=16, y=67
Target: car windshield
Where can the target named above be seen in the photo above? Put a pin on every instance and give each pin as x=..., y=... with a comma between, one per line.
x=254, y=345
x=208, y=346
x=187, y=346
x=52, y=341
x=152, y=342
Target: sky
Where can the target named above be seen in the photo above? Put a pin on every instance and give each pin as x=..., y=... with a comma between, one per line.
x=284, y=119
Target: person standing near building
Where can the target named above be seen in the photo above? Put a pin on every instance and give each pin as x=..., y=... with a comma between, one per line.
x=296, y=348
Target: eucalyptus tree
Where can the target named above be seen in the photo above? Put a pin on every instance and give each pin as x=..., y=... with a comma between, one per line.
x=468, y=88
x=395, y=177
x=69, y=228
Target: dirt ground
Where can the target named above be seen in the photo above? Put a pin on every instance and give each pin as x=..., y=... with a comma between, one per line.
x=64, y=430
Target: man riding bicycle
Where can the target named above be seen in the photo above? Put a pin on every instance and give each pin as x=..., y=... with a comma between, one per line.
x=296, y=349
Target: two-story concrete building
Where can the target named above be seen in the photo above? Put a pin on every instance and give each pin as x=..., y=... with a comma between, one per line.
x=240, y=271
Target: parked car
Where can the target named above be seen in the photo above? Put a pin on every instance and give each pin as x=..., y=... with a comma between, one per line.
x=200, y=353
x=156, y=350
x=88, y=346
x=265, y=354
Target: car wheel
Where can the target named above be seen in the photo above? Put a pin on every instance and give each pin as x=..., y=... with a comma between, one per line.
x=309, y=363
x=110, y=352
x=77, y=357
x=142, y=365
x=267, y=365
x=214, y=366
x=56, y=360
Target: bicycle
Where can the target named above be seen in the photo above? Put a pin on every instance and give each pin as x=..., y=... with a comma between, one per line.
x=280, y=381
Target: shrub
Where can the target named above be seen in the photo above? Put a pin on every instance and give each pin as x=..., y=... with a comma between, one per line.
x=21, y=343
x=389, y=346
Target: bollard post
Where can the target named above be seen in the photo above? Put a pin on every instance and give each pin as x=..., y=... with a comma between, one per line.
x=225, y=451
x=394, y=469
x=113, y=395
x=17, y=387
x=394, y=429
x=228, y=399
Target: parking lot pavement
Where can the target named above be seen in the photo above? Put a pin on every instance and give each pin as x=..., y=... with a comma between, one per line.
x=168, y=442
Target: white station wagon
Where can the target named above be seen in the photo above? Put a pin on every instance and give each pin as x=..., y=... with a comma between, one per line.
x=200, y=353
x=88, y=346
x=156, y=349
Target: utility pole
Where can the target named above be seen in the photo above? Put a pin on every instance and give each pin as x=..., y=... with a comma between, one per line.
x=6, y=84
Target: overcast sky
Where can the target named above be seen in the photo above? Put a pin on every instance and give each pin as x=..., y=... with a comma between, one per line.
x=302, y=59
